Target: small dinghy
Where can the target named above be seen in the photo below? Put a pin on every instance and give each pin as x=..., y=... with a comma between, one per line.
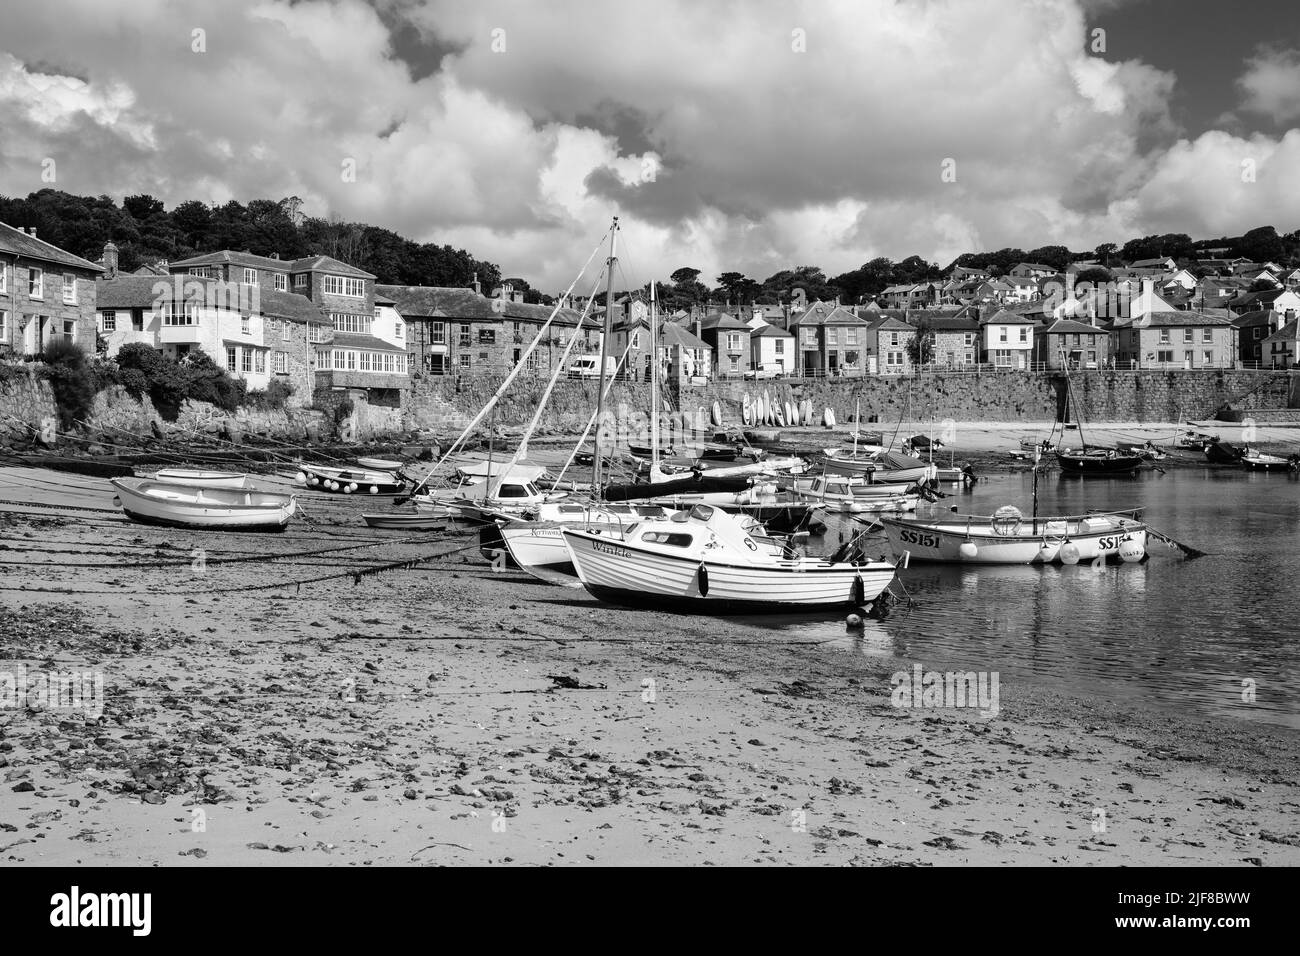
x=435, y=519
x=349, y=481
x=379, y=464
x=217, y=509
x=203, y=479
x=1221, y=453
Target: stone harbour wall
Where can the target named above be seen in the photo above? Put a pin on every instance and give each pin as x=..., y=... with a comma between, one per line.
x=27, y=406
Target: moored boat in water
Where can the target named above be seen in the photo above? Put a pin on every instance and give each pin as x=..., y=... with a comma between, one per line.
x=1007, y=537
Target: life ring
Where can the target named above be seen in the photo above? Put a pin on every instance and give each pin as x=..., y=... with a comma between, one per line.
x=1006, y=521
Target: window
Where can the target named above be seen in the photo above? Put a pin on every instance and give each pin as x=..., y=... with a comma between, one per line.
x=780, y=346
x=1259, y=333
x=893, y=359
x=300, y=280
x=188, y=314
x=851, y=337
x=315, y=332
x=250, y=277
x=1207, y=357
x=832, y=336
x=1165, y=355
x=1188, y=335
x=350, y=360
x=69, y=289
x=108, y=321
x=1207, y=336
x=245, y=325
x=284, y=331
x=232, y=362
x=281, y=363
x=246, y=360
x=735, y=364
x=4, y=279
x=438, y=333
x=463, y=337
x=343, y=285
x=4, y=326
x=1002, y=333
x=36, y=283
x=664, y=537
x=487, y=336
x=399, y=330
x=464, y=359
x=1024, y=336
x=1164, y=337
x=259, y=360
x=636, y=340
x=137, y=320
x=810, y=336
x=349, y=322
x=733, y=342
x=968, y=339
x=204, y=272
x=281, y=282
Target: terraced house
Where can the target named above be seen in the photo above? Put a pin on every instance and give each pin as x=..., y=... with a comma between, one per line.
x=829, y=340
x=45, y=294
x=461, y=331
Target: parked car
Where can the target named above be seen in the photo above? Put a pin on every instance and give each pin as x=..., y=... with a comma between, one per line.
x=765, y=371
x=588, y=366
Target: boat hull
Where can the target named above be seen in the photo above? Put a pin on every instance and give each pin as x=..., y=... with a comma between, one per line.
x=203, y=479
x=622, y=573
x=208, y=509
x=408, y=522
x=1098, y=465
x=943, y=544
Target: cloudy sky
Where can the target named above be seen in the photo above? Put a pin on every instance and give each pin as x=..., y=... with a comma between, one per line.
x=752, y=135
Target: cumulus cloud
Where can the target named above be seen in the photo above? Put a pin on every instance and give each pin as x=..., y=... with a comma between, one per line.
x=749, y=135
x=1271, y=84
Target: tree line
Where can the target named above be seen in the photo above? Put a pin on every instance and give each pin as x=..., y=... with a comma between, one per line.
x=145, y=231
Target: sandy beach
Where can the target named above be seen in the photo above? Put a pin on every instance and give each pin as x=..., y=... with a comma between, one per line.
x=447, y=714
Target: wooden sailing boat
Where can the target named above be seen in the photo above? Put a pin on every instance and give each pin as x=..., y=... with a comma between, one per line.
x=1096, y=460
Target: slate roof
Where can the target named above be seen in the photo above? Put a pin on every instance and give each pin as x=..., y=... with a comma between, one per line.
x=1070, y=327
x=1288, y=333
x=768, y=330
x=14, y=241
x=1005, y=317
x=453, y=304
x=826, y=313
x=309, y=263
x=674, y=336
x=359, y=340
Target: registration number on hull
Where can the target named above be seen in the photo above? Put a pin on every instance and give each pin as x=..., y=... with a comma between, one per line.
x=919, y=538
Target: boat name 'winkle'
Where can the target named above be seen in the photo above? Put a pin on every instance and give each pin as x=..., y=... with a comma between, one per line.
x=610, y=549
x=922, y=688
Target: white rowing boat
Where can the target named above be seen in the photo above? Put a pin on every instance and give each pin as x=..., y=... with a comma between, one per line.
x=432, y=520
x=203, y=479
x=704, y=560
x=221, y=509
x=379, y=464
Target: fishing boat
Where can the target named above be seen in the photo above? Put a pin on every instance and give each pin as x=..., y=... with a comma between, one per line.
x=882, y=466
x=439, y=519
x=536, y=542
x=1257, y=461
x=1221, y=453
x=855, y=496
x=705, y=561
x=349, y=481
x=203, y=479
x=1007, y=537
x=187, y=506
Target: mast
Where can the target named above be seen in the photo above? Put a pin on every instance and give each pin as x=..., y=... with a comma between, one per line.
x=606, y=332
x=654, y=381
x=1038, y=453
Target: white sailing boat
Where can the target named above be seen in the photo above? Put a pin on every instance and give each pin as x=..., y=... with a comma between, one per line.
x=704, y=560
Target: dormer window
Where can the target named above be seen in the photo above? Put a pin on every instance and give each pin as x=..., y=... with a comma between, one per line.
x=250, y=277
x=344, y=285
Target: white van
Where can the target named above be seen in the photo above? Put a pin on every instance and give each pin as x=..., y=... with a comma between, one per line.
x=588, y=366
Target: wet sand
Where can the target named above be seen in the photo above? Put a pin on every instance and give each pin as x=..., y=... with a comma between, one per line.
x=447, y=714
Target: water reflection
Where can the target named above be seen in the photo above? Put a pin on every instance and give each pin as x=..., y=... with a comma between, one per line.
x=1170, y=633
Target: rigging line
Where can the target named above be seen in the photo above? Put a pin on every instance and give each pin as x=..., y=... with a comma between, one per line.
x=592, y=421
x=514, y=373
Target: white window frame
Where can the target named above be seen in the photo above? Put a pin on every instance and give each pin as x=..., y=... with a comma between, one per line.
x=69, y=289
x=300, y=280
x=259, y=361
x=281, y=282
x=285, y=335
x=36, y=283
x=399, y=330
x=345, y=286
x=246, y=361
x=1207, y=336
x=438, y=333
x=245, y=277
x=108, y=320
x=246, y=325
x=189, y=314
x=4, y=278
x=281, y=363
x=232, y=358
x=4, y=325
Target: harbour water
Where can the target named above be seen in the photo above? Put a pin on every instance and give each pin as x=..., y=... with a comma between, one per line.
x=1170, y=633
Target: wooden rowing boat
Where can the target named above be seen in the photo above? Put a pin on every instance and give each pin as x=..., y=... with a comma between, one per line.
x=203, y=479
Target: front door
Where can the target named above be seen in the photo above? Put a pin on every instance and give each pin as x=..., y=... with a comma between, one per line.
x=32, y=335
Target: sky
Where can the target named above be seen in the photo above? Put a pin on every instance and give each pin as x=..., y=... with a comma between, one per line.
x=745, y=135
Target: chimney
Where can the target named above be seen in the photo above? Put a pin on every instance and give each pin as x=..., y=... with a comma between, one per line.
x=110, y=260
x=32, y=232
x=477, y=289
x=275, y=255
